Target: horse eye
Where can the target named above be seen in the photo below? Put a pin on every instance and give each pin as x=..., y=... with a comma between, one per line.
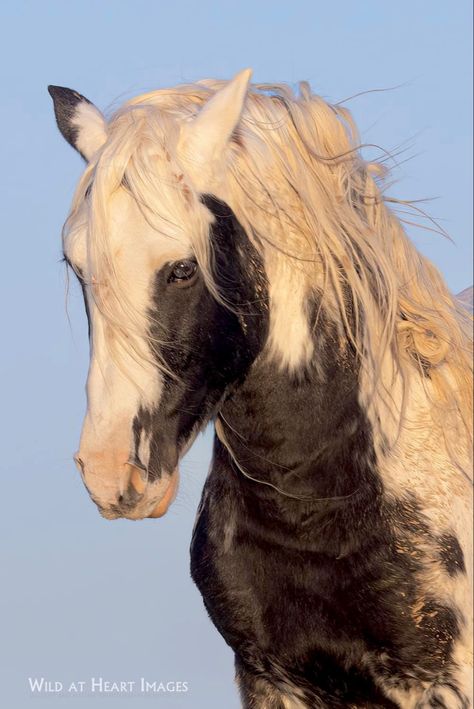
x=182, y=271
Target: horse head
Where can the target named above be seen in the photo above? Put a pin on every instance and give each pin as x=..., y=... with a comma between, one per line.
x=168, y=334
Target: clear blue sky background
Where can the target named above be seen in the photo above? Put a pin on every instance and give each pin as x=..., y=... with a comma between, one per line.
x=83, y=597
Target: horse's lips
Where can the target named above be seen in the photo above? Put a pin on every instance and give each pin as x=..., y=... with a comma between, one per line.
x=144, y=510
x=169, y=496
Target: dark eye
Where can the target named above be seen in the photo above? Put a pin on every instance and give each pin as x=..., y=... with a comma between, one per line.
x=182, y=271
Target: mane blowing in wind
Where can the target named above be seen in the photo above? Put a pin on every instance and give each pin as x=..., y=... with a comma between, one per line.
x=241, y=264
x=310, y=204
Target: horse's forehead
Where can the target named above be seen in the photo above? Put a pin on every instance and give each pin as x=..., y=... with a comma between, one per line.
x=130, y=237
x=136, y=234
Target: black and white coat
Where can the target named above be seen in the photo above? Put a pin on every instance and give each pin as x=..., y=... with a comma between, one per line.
x=335, y=565
x=323, y=592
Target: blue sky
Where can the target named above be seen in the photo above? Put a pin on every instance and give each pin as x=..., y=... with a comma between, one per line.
x=88, y=598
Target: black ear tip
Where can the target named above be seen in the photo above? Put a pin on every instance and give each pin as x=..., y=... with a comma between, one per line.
x=57, y=92
x=67, y=106
x=62, y=95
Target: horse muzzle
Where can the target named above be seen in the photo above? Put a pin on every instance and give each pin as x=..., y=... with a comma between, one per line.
x=129, y=495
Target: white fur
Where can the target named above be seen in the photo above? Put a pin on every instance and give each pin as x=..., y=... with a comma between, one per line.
x=413, y=459
x=290, y=338
x=117, y=386
x=91, y=127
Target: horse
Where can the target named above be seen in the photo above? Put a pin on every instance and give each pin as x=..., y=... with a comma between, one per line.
x=242, y=265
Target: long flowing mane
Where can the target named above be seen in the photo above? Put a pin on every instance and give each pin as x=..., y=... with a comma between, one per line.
x=313, y=207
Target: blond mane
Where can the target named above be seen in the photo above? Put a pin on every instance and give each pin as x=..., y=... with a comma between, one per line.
x=298, y=183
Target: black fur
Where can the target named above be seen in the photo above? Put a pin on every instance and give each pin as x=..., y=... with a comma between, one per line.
x=451, y=555
x=65, y=104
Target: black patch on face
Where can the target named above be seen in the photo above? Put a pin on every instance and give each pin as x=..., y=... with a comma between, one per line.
x=65, y=106
x=207, y=345
x=451, y=554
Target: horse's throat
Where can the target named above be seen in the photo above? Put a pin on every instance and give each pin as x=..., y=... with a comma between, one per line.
x=305, y=437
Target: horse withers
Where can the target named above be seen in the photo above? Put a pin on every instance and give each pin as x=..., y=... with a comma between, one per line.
x=241, y=265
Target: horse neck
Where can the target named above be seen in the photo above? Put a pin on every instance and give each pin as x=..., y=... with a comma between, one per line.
x=304, y=436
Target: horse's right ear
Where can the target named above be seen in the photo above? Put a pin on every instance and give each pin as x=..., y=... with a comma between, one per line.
x=80, y=122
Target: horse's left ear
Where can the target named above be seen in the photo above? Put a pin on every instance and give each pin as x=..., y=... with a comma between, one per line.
x=205, y=138
x=80, y=122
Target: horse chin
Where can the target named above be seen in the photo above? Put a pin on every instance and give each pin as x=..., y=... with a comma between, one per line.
x=151, y=505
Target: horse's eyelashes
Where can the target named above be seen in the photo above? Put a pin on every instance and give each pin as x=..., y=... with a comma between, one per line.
x=75, y=269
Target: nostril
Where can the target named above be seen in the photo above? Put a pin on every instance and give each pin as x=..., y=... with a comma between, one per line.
x=128, y=499
x=134, y=484
x=137, y=477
